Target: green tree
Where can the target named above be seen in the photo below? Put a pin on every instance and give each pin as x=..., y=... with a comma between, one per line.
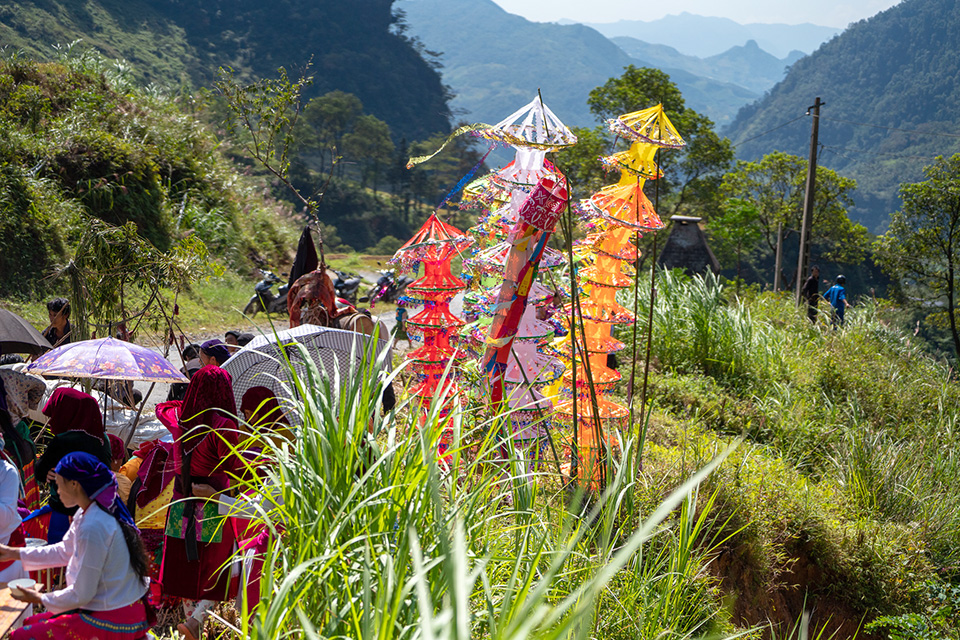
x=326, y=120
x=386, y=246
x=369, y=143
x=775, y=186
x=430, y=182
x=120, y=280
x=401, y=179
x=921, y=249
x=692, y=175
x=736, y=229
x=264, y=117
x=579, y=162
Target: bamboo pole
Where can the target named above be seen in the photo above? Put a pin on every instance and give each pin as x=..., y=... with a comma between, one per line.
x=653, y=296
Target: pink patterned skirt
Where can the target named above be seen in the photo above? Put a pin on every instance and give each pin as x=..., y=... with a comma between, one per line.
x=125, y=623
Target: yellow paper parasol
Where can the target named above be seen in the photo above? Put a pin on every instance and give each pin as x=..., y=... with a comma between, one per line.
x=651, y=125
x=638, y=160
x=625, y=204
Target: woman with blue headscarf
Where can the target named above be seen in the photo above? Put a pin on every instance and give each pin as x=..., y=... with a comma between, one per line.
x=106, y=565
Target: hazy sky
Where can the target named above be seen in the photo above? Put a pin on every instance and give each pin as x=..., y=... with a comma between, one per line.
x=830, y=13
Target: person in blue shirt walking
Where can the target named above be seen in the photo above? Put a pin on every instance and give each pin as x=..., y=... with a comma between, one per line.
x=837, y=297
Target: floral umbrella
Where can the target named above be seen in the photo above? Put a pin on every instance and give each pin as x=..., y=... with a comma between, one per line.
x=106, y=359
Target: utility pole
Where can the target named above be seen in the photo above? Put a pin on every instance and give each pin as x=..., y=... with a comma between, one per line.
x=804, y=259
x=779, y=258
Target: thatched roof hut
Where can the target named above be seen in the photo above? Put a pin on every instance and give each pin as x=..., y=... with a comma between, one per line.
x=687, y=247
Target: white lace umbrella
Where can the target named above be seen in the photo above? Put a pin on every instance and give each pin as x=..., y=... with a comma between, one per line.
x=262, y=362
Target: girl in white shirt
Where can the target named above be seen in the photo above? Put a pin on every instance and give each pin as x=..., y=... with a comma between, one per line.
x=106, y=564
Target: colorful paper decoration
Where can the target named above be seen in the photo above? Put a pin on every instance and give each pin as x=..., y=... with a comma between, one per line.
x=651, y=126
x=533, y=126
x=434, y=245
x=508, y=254
x=528, y=239
x=618, y=212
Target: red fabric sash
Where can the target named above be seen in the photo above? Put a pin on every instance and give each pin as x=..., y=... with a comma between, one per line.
x=16, y=540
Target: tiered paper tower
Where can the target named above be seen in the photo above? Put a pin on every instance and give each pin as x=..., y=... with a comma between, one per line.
x=532, y=131
x=434, y=246
x=536, y=221
x=620, y=211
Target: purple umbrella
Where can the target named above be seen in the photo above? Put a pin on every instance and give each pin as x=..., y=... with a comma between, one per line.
x=106, y=359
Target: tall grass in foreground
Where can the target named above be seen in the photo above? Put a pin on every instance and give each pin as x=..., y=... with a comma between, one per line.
x=373, y=537
x=695, y=329
x=862, y=412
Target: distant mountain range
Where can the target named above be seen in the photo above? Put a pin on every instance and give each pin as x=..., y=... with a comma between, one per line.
x=495, y=61
x=891, y=85
x=703, y=36
x=748, y=65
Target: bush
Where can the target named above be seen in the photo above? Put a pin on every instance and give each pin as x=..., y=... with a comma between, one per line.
x=371, y=537
x=387, y=246
x=696, y=330
x=861, y=423
x=32, y=216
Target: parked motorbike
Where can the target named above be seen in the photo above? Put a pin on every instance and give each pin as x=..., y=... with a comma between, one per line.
x=347, y=286
x=388, y=288
x=263, y=298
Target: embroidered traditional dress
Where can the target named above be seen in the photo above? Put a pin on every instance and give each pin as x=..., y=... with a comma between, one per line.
x=197, y=546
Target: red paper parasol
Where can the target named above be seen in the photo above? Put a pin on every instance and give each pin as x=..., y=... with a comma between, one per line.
x=434, y=242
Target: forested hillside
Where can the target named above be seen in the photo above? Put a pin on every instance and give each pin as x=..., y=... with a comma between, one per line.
x=81, y=143
x=892, y=96
x=355, y=47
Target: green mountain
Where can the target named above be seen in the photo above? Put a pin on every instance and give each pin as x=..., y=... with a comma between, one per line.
x=495, y=62
x=356, y=46
x=892, y=96
x=747, y=66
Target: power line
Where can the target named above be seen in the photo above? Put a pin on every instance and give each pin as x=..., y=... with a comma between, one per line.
x=760, y=135
x=878, y=126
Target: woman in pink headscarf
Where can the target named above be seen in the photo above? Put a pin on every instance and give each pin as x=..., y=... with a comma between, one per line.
x=263, y=413
x=265, y=421
x=197, y=547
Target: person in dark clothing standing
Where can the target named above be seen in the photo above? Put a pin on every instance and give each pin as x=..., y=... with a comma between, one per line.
x=77, y=425
x=58, y=332
x=811, y=292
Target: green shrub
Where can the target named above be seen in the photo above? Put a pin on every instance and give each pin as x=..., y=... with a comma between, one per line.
x=696, y=330
x=374, y=536
x=32, y=217
x=939, y=618
x=386, y=246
